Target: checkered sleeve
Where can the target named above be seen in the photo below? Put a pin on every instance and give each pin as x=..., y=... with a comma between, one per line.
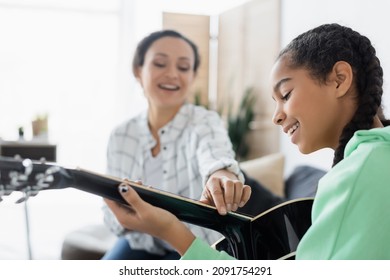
x=215, y=150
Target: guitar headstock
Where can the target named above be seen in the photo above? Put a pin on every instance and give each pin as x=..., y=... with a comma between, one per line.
x=29, y=177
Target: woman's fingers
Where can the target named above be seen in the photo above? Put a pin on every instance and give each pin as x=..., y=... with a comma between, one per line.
x=226, y=194
x=214, y=194
x=246, y=194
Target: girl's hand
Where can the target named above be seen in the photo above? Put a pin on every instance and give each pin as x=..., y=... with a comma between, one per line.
x=224, y=191
x=143, y=217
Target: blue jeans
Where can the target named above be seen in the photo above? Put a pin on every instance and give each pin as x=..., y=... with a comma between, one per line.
x=123, y=251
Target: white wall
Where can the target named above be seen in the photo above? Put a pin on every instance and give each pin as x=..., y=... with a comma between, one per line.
x=370, y=18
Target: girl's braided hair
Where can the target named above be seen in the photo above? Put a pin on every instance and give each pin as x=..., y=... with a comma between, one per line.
x=318, y=49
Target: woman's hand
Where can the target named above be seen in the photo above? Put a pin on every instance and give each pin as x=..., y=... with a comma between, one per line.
x=224, y=191
x=143, y=217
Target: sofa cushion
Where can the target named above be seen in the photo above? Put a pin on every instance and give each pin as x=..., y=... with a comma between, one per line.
x=303, y=182
x=268, y=170
x=261, y=198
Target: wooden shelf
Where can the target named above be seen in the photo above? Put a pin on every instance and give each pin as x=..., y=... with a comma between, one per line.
x=26, y=149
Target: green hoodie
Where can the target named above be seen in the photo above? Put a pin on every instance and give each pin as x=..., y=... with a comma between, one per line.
x=350, y=216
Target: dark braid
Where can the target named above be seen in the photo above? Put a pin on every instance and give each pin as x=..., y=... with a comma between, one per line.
x=320, y=48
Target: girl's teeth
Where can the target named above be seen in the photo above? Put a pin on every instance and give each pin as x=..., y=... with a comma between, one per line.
x=293, y=128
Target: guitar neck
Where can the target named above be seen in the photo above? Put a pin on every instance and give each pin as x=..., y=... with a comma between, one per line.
x=32, y=177
x=270, y=235
x=186, y=210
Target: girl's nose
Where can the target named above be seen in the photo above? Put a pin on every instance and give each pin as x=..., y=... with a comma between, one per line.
x=278, y=116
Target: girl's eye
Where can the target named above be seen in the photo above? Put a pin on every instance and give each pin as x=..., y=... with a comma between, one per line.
x=286, y=96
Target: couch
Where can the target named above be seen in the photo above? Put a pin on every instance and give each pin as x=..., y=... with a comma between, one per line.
x=269, y=187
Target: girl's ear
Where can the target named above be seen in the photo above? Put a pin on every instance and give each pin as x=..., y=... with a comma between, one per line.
x=343, y=77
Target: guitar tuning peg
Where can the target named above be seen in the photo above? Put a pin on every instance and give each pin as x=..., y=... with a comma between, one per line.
x=52, y=170
x=43, y=181
x=49, y=178
x=17, y=157
x=28, y=166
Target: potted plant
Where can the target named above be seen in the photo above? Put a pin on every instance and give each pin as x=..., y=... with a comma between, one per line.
x=238, y=124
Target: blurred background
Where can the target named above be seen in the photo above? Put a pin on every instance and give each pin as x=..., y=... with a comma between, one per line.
x=67, y=62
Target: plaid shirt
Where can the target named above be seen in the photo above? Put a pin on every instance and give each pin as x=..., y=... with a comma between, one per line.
x=194, y=145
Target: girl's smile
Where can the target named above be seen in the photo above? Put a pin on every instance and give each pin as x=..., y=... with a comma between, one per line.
x=312, y=113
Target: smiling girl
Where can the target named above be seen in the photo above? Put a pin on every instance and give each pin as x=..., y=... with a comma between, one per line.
x=327, y=87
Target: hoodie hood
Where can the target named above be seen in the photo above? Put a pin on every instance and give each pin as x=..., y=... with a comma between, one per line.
x=367, y=136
